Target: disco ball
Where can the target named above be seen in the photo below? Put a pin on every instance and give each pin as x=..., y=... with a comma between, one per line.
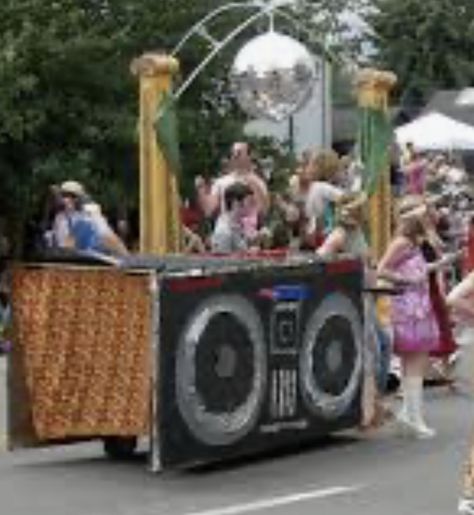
x=273, y=76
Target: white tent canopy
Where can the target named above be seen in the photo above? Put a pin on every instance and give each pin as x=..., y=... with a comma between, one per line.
x=435, y=131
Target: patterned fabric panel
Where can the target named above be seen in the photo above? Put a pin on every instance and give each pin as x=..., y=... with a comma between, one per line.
x=82, y=352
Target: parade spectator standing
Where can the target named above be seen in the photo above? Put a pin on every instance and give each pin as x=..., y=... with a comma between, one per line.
x=396, y=172
x=469, y=257
x=415, y=329
x=407, y=154
x=416, y=175
x=229, y=233
x=436, y=172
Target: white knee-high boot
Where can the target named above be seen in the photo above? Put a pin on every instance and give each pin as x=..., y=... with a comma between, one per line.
x=423, y=431
x=411, y=413
x=402, y=415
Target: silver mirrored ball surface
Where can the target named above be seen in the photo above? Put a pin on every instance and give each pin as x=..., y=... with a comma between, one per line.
x=273, y=76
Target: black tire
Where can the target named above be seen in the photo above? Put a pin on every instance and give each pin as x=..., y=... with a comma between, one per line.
x=120, y=448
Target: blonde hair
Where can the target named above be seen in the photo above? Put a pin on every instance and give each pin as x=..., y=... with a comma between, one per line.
x=411, y=211
x=350, y=209
x=326, y=165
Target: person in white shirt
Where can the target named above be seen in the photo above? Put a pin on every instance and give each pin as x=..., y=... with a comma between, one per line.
x=241, y=170
x=322, y=195
x=80, y=225
x=229, y=235
x=72, y=195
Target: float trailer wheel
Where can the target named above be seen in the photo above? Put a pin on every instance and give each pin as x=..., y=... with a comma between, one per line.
x=120, y=448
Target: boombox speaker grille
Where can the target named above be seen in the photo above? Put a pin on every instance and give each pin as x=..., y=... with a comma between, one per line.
x=222, y=369
x=331, y=357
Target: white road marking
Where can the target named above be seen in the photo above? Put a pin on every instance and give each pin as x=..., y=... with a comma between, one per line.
x=279, y=501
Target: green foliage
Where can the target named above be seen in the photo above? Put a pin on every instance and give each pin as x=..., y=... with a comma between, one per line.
x=428, y=44
x=67, y=110
x=69, y=104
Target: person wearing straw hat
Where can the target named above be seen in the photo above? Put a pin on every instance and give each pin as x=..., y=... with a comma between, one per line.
x=80, y=224
x=72, y=195
x=415, y=329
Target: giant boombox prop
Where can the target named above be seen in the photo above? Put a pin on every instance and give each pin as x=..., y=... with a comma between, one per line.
x=211, y=359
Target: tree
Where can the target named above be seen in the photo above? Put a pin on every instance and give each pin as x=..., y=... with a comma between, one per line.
x=427, y=44
x=65, y=110
x=69, y=104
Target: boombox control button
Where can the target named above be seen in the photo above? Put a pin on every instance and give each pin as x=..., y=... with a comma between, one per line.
x=284, y=323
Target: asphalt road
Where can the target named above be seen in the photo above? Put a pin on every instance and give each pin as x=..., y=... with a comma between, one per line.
x=379, y=474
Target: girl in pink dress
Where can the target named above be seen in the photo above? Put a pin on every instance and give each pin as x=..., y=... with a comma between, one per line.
x=414, y=322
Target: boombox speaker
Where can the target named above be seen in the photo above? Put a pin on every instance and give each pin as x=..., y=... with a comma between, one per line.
x=257, y=357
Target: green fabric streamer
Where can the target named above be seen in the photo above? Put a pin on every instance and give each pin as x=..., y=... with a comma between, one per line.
x=166, y=126
x=374, y=140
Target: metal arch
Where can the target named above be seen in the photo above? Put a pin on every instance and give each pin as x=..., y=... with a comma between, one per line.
x=217, y=49
x=271, y=9
x=300, y=26
x=197, y=27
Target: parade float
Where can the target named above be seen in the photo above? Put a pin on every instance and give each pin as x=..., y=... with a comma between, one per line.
x=207, y=358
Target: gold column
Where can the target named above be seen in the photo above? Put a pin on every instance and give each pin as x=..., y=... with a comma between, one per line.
x=159, y=198
x=374, y=89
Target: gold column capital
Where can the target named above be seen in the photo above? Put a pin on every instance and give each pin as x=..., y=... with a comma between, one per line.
x=153, y=65
x=374, y=86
